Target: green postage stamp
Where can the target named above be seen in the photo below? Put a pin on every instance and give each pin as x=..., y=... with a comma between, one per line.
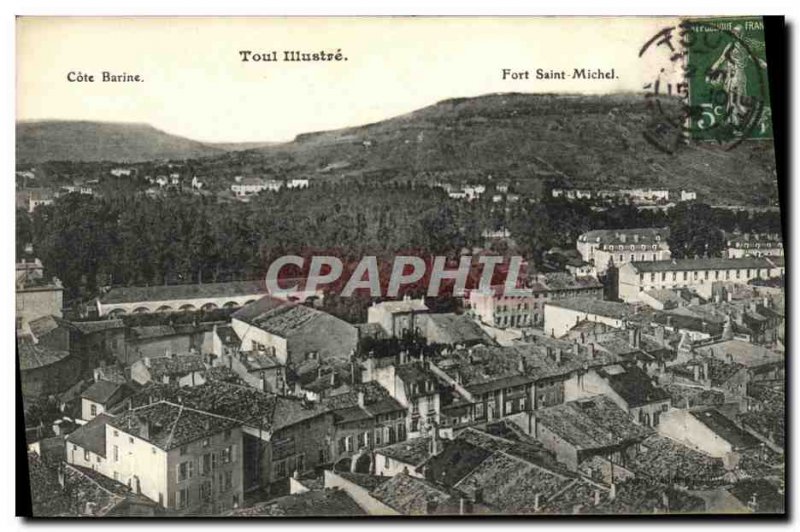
x=717, y=71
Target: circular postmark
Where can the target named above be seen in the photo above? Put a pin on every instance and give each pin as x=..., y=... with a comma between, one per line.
x=710, y=84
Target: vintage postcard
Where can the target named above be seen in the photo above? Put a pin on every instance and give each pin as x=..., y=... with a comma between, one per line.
x=315, y=267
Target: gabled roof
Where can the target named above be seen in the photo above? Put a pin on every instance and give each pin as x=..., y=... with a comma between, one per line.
x=315, y=503
x=92, y=435
x=593, y=423
x=33, y=355
x=413, y=452
x=634, y=386
x=410, y=495
x=725, y=428
x=167, y=425
x=102, y=391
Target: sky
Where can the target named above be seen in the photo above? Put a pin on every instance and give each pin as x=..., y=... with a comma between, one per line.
x=195, y=84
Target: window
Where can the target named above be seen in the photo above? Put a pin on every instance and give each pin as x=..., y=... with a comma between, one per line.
x=130, y=440
x=185, y=470
x=93, y=410
x=229, y=454
x=183, y=498
x=116, y=453
x=86, y=455
x=228, y=482
x=184, y=450
x=116, y=433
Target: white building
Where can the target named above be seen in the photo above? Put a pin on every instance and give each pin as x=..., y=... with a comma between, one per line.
x=604, y=247
x=740, y=245
x=698, y=274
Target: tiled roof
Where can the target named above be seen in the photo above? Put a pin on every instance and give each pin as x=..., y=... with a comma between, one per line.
x=316, y=503
x=33, y=355
x=414, y=451
x=610, y=309
x=410, y=495
x=307, y=329
x=741, y=352
x=175, y=365
x=92, y=435
x=665, y=460
x=146, y=332
x=168, y=425
x=133, y=294
x=593, y=423
x=456, y=329
x=634, y=386
x=88, y=327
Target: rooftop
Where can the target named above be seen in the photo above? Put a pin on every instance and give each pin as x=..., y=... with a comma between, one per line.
x=402, y=305
x=134, y=294
x=168, y=425
x=633, y=385
x=741, y=352
x=410, y=495
x=725, y=428
x=610, y=309
x=414, y=451
x=174, y=365
x=32, y=355
x=101, y=391
x=593, y=423
x=456, y=329
x=315, y=503
x=710, y=263
x=92, y=435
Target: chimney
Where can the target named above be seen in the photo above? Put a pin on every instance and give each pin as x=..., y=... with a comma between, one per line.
x=660, y=334
x=559, y=353
x=521, y=365
x=147, y=362
x=705, y=370
x=696, y=370
x=612, y=492
x=537, y=502
x=596, y=497
x=463, y=509
x=665, y=500
x=361, y=398
x=591, y=351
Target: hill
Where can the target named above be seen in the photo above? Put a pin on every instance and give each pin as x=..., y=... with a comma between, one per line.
x=49, y=140
x=577, y=141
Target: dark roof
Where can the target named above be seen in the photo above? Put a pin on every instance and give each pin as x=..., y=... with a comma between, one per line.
x=258, y=360
x=101, y=391
x=88, y=327
x=167, y=425
x=146, y=332
x=456, y=329
x=364, y=480
x=307, y=329
x=593, y=423
x=314, y=503
x=633, y=385
x=414, y=451
x=712, y=263
x=132, y=294
x=174, y=365
x=725, y=428
x=92, y=435
x=409, y=495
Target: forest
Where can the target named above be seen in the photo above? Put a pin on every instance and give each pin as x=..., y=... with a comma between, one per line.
x=92, y=242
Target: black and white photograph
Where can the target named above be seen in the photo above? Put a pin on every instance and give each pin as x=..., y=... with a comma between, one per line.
x=463, y=267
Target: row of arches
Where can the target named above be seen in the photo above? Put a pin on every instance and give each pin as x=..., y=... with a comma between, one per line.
x=188, y=307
